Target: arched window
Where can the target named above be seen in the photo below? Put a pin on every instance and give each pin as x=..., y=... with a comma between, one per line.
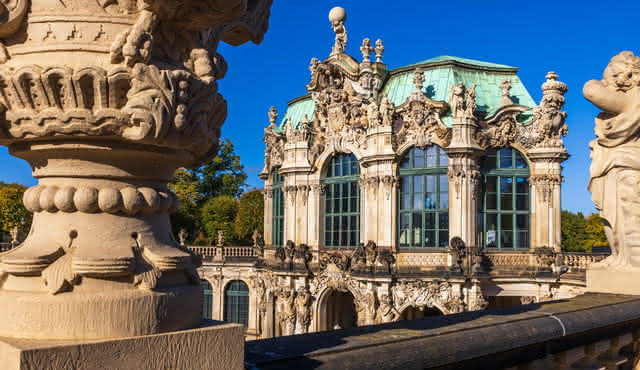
x=236, y=302
x=208, y=299
x=505, y=210
x=342, y=202
x=423, y=209
x=277, y=214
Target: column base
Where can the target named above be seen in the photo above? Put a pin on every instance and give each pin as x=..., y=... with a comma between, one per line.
x=613, y=281
x=214, y=345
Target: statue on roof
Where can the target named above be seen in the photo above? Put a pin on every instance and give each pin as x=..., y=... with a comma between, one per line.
x=386, y=111
x=456, y=100
x=379, y=50
x=505, y=88
x=471, y=102
x=366, y=49
x=337, y=17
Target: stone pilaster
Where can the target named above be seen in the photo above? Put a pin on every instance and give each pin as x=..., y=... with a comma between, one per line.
x=465, y=181
x=546, y=181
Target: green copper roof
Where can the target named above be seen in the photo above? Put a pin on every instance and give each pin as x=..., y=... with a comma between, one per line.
x=458, y=60
x=440, y=74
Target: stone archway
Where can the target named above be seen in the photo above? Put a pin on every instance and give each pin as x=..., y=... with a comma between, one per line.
x=337, y=310
x=416, y=313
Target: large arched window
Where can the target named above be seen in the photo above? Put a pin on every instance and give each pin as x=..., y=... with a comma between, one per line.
x=424, y=198
x=504, y=215
x=342, y=202
x=236, y=302
x=208, y=299
x=277, y=214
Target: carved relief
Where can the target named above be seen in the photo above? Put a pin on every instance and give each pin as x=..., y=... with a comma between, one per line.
x=545, y=185
x=421, y=294
x=274, y=144
x=420, y=118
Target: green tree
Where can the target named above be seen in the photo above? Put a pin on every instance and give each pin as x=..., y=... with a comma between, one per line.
x=573, y=230
x=218, y=214
x=222, y=175
x=12, y=211
x=595, y=232
x=250, y=215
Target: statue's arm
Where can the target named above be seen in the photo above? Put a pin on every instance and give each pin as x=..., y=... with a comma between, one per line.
x=605, y=98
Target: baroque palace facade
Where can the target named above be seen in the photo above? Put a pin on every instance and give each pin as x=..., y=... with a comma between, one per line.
x=428, y=189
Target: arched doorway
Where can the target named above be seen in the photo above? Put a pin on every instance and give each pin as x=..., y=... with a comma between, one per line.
x=338, y=310
x=415, y=313
x=236, y=303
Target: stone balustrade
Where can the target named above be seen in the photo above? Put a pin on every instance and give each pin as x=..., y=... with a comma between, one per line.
x=594, y=331
x=210, y=252
x=581, y=261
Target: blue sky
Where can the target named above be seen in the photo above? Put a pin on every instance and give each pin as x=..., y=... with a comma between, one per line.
x=574, y=39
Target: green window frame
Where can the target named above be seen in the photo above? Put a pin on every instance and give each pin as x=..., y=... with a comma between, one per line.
x=342, y=202
x=207, y=302
x=505, y=214
x=236, y=302
x=423, y=198
x=277, y=213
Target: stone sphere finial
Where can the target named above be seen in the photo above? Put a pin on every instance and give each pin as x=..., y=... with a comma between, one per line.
x=337, y=14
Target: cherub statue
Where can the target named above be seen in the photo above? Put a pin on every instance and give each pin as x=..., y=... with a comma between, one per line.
x=615, y=169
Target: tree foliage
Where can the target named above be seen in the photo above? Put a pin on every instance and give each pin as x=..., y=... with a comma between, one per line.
x=218, y=214
x=250, y=215
x=12, y=211
x=222, y=175
x=580, y=234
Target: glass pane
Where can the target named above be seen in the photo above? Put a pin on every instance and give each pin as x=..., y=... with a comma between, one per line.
x=404, y=228
x=522, y=185
x=431, y=183
x=429, y=220
x=506, y=222
x=491, y=184
x=355, y=167
x=417, y=184
x=522, y=202
x=405, y=183
x=443, y=220
x=506, y=184
x=523, y=239
x=506, y=202
x=336, y=205
x=444, y=200
x=444, y=160
x=430, y=238
x=522, y=222
x=353, y=206
x=417, y=200
x=406, y=201
x=506, y=160
x=443, y=238
x=354, y=188
x=506, y=239
x=417, y=229
x=492, y=227
x=432, y=158
x=345, y=205
x=418, y=158
x=492, y=201
x=520, y=161
x=337, y=169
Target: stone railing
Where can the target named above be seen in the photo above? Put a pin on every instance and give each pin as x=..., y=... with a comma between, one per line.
x=594, y=331
x=581, y=261
x=217, y=253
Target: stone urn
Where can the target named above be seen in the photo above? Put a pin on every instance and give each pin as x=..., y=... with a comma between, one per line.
x=105, y=99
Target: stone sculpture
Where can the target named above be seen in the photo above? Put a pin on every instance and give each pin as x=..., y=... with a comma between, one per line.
x=337, y=17
x=615, y=172
x=105, y=100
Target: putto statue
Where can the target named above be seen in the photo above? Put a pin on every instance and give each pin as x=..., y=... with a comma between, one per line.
x=337, y=17
x=615, y=172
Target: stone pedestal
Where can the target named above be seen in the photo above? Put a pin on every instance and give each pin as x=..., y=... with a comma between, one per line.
x=212, y=346
x=606, y=280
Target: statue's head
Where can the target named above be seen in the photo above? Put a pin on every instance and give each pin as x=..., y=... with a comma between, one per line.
x=622, y=72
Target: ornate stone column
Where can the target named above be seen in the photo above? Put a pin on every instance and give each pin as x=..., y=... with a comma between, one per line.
x=105, y=100
x=465, y=181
